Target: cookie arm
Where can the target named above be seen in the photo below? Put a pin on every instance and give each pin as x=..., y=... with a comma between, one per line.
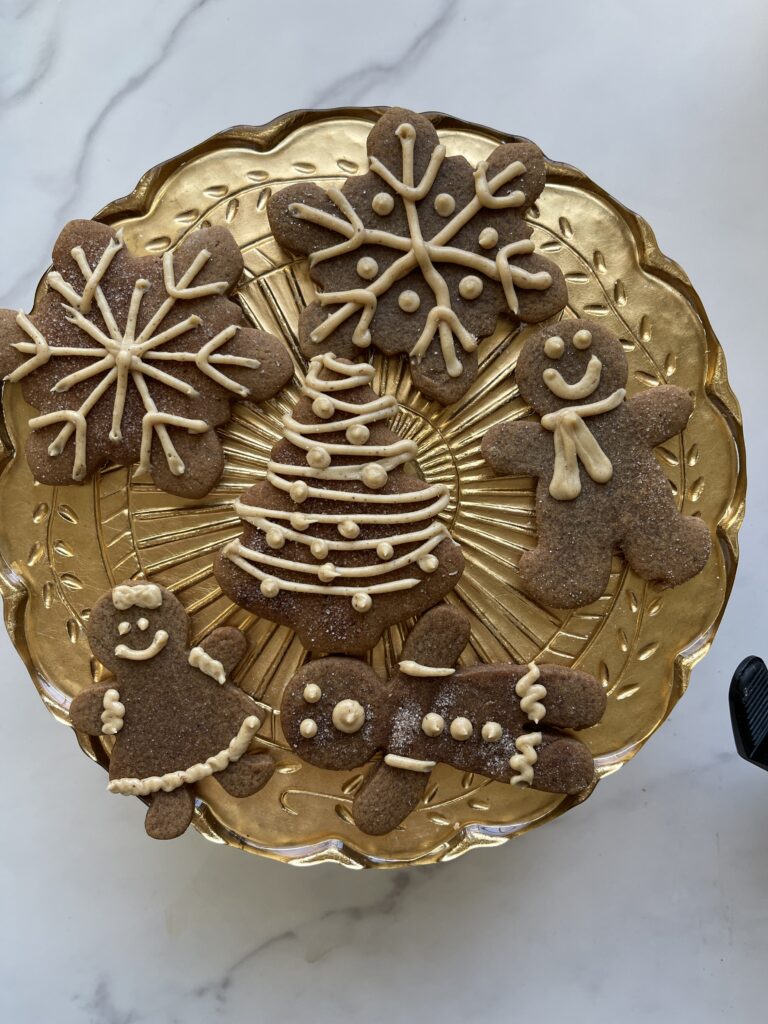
x=86, y=709
x=387, y=796
x=661, y=412
x=438, y=638
x=225, y=645
x=516, y=449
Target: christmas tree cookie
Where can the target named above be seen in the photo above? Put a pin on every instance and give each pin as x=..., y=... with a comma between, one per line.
x=135, y=359
x=339, y=541
x=422, y=254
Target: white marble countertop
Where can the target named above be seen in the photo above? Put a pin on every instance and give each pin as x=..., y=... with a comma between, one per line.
x=650, y=903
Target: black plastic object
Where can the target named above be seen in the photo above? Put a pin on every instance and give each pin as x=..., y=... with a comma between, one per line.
x=748, y=698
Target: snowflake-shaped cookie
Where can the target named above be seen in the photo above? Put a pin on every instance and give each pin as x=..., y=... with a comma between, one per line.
x=137, y=359
x=422, y=254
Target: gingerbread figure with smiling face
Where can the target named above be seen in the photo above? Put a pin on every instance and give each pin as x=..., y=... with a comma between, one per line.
x=175, y=718
x=600, y=486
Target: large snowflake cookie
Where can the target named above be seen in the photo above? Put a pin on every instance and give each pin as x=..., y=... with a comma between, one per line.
x=600, y=486
x=339, y=540
x=137, y=359
x=175, y=718
x=421, y=254
x=497, y=720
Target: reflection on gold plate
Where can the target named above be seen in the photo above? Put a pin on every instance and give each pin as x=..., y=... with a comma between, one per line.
x=63, y=546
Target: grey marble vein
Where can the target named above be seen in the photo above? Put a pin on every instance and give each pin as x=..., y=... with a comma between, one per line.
x=43, y=61
x=351, y=86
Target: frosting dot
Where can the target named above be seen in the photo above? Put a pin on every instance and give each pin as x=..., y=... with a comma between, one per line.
x=432, y=724
x=385, y=551
x=582, y=339
x=367, y=268
x=299, y=491
x=408, y=301
x=275, y=537
x=308, y=728
x=374, y=475
x=124, y=627
x=428, y=563
x=362, y=602
x=299, y=521
x=312, y=693
x=348, y=716
x=143, y=624
x=470, y=287
x=488, y=237
x=323, y=407
x=319, y=548
x=270, y=587
x=554, y=347
x=348, y=528
x=461, y=728
x=358, y=433
x=382, y=203
x=491, y=732
x=326, y=572
x=318, y=458
x=445, y=204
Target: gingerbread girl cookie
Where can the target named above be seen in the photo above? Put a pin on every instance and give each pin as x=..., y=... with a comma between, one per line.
x=422, y=254
x=135, y=359
x=337, y=713
x=175, y=718
x=600, y=486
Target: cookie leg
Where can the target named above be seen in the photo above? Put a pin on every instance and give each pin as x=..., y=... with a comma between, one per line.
x=248, y=775
x=564, y=765
x=566, y=579
x=169, y=814
x=669, y=548
x=386, y=797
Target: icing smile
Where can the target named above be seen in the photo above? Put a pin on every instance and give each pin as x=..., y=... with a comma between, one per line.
x=582, y=388
x=158, y=643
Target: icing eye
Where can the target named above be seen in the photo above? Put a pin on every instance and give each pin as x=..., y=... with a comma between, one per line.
x=582, y=339
x=123, y=628
x=554, y=347
x=143, y=624
x=312, y=693
x=308, y=728
x=348, y=716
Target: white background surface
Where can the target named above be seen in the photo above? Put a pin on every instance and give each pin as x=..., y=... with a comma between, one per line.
x=650, y=903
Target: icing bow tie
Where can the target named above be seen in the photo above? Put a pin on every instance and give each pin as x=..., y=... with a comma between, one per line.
x=573, y=442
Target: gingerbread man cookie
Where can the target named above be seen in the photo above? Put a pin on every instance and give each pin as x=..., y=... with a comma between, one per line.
x=600, y=486
x=422, y=254
x=175, y=718
x=337, y=713
x=135, y=359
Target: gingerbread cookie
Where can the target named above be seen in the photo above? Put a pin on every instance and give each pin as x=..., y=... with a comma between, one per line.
x=339, y=541
x=422, y=254
x=600, y=486
x=137, y=359
x=175, y=718
x=337, y=713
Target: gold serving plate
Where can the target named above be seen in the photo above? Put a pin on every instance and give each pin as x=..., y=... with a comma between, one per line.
x=64, y=546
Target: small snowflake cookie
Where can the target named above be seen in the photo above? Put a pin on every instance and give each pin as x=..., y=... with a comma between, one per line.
x=337, y=713
x=340, y=542
x=422, y=254
x=134, y=359
x=600, y=486
x=175, y=718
